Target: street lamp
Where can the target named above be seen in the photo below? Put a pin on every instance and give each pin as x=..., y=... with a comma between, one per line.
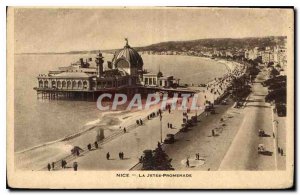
x=276, y=141
x=160, y=128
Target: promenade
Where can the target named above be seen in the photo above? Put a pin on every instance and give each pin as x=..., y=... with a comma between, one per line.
x=138, y=138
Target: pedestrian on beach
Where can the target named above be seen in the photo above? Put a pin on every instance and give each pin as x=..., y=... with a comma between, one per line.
x=213, y=133
x=96, y=145
x=171, y=126
x=62, y=164
x=75, y=166
x=141, y=122
x=49, y=167
x=281, y=152
x=120, y=155
x=137, y=122
x=89, y=146
x=53, y=165
x=168, y=125
x=124, y=130
x=107, y=156
x=187, y=162
x=77, y=152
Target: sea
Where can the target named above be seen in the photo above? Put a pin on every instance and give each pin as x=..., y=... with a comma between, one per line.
x=39, y=121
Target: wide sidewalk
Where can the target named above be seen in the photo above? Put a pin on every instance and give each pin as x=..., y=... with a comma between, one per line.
x=132, y=144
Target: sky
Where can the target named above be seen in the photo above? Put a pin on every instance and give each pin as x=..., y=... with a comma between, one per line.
x=74, y=29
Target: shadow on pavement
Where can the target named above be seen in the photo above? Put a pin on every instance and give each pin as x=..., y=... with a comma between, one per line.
x=267, y=153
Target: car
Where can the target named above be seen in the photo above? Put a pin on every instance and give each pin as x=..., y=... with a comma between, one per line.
x=169, y=139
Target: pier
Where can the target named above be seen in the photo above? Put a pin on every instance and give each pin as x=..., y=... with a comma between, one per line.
x=92, y=95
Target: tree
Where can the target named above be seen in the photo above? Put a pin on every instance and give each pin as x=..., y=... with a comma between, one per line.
x=161, y=159
x=156, y=160
x=274, y=72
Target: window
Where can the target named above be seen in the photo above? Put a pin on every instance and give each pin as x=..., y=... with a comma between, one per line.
x=80, y=84
x=85, y=85
x=40, y=84
x=146, y=81
x=74, y=85
x=46, y=84
x=69, y=84
x=64, y=84
x=154, y=81
x=59, y=84
x=53, y=84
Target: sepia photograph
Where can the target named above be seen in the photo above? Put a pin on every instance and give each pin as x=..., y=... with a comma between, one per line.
x=150, y=97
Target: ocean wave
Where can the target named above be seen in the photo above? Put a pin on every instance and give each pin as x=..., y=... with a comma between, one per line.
x=108, y=119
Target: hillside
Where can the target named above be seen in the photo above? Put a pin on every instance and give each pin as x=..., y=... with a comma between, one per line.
x=197, y=45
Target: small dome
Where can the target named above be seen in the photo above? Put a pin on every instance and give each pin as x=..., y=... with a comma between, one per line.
x=130, y=55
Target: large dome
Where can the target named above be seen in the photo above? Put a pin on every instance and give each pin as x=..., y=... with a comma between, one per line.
x=130, y=55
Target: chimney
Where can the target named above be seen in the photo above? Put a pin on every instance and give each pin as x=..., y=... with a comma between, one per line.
x=99, y=61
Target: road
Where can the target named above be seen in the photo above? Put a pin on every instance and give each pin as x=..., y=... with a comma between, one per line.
x=242, y=154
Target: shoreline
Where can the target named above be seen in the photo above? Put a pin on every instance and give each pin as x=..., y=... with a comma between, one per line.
x=83, y=126
x=93, y=128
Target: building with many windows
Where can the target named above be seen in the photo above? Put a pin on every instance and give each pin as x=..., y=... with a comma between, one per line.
x=83, y=80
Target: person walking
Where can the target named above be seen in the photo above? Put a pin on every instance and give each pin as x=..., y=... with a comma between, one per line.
x=187, y=162
x=53, y=165
x=64, y=163
x=75, y=166
x=89, y=146
x=124, y=130
x=281, y=152
x=96, y=145
x=49, y=167
x=107, y=156
x=168, y=125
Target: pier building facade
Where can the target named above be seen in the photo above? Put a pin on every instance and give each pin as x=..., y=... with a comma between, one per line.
x=87, y=79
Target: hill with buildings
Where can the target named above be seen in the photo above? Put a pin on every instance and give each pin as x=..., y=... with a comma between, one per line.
x=220, y=43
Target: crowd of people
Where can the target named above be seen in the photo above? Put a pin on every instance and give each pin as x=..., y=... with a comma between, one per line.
x=218, y=86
